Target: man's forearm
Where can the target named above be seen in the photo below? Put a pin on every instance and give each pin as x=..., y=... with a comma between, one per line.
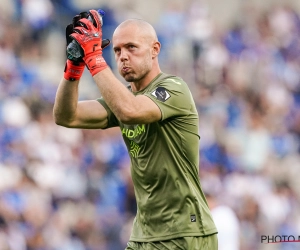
x=65, y=102
x=115, y=94
x=128, y=108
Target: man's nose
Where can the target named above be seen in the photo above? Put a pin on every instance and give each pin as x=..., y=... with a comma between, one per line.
x=123, y=55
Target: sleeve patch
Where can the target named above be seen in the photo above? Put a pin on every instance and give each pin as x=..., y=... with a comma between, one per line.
x=161, y=94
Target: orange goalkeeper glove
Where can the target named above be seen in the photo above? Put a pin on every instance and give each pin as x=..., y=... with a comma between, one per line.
x=75, y=64
x=88, y=35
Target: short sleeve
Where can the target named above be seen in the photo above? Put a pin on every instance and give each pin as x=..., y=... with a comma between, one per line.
x=112, y=119
x=173, y=97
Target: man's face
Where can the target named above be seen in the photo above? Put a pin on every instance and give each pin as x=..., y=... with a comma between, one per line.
x=132, y=53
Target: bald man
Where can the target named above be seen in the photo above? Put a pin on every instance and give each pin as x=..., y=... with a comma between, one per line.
x=158, y=120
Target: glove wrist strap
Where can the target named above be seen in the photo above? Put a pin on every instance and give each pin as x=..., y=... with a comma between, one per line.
x=95, y=63
x=73, y=71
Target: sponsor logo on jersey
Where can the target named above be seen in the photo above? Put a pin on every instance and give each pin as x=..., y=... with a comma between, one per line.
x=161, y=94
x=132, y=133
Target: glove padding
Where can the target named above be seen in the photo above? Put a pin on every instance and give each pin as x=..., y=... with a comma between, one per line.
x=70, y=29
x=88, y=34
x=75, y=65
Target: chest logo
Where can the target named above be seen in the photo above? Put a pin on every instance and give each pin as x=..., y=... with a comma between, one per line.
x=161, y=94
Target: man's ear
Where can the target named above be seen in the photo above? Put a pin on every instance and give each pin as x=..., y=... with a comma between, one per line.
x=155, y=49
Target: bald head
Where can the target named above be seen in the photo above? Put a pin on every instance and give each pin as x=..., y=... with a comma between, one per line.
x=136, y=50
x=138, y=26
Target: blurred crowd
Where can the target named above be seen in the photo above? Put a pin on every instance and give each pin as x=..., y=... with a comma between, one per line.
x=70, y=189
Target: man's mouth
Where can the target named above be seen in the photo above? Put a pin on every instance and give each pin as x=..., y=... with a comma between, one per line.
x=125, y=69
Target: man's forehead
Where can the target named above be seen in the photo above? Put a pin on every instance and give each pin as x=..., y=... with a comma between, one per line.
x=125, y=40
x=124, y=36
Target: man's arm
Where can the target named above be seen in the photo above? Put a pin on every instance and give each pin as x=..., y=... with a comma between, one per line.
x=128, y=108
x=68, y=112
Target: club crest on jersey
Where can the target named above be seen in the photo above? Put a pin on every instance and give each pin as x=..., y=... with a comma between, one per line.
x=161, y=94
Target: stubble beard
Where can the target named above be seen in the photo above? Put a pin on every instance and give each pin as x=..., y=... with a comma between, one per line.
x=139, y=74
x=131, y=77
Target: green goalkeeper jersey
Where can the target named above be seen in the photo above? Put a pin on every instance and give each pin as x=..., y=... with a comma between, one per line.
x=165, y=165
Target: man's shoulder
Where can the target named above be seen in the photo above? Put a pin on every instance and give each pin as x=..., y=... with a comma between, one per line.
x=169, y=81
x=167, y=77
x=169, y=87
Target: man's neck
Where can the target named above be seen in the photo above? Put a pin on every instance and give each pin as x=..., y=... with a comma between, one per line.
x=143, y=83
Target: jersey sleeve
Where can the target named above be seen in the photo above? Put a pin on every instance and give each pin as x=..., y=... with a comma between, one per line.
x=173, y=97
x=112, y=119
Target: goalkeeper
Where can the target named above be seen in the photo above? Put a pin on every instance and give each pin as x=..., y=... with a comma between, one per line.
x=159, y=123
